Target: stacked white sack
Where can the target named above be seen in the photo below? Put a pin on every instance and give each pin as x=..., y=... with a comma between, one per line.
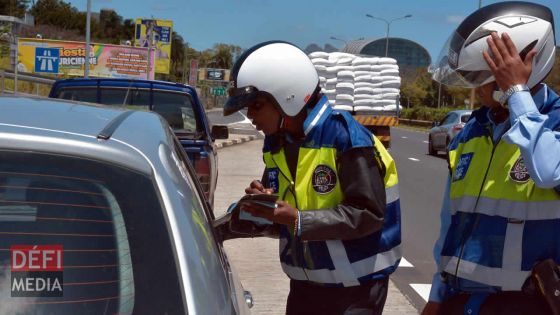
x=358, y=83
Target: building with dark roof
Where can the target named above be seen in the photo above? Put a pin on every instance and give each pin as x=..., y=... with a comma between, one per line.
x=406, y=52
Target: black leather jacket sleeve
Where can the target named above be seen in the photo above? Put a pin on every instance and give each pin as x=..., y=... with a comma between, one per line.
x=362, y=210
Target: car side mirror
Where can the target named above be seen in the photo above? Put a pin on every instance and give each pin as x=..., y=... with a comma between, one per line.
x=220, y=132
x=229, y=226
x=435, y=123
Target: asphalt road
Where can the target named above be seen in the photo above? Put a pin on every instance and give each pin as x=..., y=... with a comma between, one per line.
x=421, y=183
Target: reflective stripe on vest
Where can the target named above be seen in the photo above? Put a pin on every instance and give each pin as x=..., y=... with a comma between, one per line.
x=302, y=194
x=492, y=186
x=508, y=280
x=359, y=268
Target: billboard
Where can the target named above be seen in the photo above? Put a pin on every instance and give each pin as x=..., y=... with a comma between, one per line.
x=193, y=72
x=66, y=58
x=162, y=31
x=212, y=74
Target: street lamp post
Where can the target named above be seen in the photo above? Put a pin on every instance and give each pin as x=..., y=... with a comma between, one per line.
x=88, y=31
x=388, y=22
x=339, y=39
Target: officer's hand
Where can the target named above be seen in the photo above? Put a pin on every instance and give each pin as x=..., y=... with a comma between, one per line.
x=432, y=308
x=257, y=187
x=505, y=62
x=284, y=213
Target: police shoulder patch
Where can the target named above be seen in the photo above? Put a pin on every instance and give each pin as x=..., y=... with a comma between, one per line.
x=323, y=179
x=462, y=166
x=519, y=172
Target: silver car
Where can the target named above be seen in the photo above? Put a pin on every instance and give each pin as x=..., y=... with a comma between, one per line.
x=443, y=131
x=101, y=213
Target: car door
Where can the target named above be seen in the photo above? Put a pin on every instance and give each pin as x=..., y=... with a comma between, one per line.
x=438, y=136
x=237, y=297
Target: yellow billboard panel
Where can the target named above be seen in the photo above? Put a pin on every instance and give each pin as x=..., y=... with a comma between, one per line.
x=161, y=31
x=66, y=58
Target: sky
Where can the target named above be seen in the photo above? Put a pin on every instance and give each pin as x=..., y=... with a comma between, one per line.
x=245, y=23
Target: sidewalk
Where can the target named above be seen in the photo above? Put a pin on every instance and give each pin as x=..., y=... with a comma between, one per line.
x=270, y=302
x=234, y=139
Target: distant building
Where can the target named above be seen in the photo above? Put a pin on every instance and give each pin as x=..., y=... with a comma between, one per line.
x=406, y=52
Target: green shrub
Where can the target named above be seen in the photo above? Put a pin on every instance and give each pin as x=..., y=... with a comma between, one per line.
x=425, y=113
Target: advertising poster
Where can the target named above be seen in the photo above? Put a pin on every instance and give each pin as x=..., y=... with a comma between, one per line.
x=161, y=31
x=66, y=58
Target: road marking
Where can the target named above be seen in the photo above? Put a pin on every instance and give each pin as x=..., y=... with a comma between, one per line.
x=422, y=289
x=413, y=159
x=405, y=263
x=426, y=141
x=404, y=137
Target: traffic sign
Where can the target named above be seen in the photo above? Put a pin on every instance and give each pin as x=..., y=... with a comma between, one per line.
x=47, y=60
x=218, y=91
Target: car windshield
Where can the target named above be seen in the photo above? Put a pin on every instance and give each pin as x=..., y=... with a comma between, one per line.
x=175, y=107
x=103, y=226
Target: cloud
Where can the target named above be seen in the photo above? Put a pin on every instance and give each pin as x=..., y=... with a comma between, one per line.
x=454, y=19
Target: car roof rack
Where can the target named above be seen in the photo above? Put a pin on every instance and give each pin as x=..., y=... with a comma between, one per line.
x=108, y=131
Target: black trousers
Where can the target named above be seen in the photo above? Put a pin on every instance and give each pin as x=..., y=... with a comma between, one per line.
x=503, y=303
x=306, y=298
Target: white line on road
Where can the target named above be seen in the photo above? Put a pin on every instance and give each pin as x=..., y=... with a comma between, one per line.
x=405, y=263
x=425, y=141
x=413, y=159
x=422, y=289
x=404, y=137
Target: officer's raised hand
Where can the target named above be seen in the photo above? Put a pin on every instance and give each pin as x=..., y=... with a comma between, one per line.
x=505, y=63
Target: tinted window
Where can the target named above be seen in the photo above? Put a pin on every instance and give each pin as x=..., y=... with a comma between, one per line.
x=177, y=109
x=465, y=118
x=82, y=94
x=117, y=254
x=131, y=98
x=449, y=119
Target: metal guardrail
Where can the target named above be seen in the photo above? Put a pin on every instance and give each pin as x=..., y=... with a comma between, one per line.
x=414, y=122
x=36, y=80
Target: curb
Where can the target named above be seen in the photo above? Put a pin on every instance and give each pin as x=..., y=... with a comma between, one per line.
x=231, y=142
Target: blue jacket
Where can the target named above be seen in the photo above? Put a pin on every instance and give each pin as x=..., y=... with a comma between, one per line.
x=534, y=126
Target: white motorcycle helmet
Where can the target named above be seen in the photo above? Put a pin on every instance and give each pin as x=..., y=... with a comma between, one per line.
x=278, y=68
x=530, y=26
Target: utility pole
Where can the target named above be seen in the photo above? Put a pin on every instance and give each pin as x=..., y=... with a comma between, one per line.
x=16, y=67
x=149, y=37
x=88, y=31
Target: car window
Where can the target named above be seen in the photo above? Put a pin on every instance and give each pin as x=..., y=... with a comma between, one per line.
x=82, y=94
x=131, y=98
x=177, y=109
x=449, y=119
x=465, y=118
x=103, y=226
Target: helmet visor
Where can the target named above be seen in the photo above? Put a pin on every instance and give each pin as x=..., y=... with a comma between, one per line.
x=239, y=98
x=451, y=71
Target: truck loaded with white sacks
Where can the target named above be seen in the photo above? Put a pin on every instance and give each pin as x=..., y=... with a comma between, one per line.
x=367, y=87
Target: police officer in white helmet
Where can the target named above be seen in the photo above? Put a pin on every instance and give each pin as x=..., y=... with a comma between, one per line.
x=499, y=244
x=338, y=213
